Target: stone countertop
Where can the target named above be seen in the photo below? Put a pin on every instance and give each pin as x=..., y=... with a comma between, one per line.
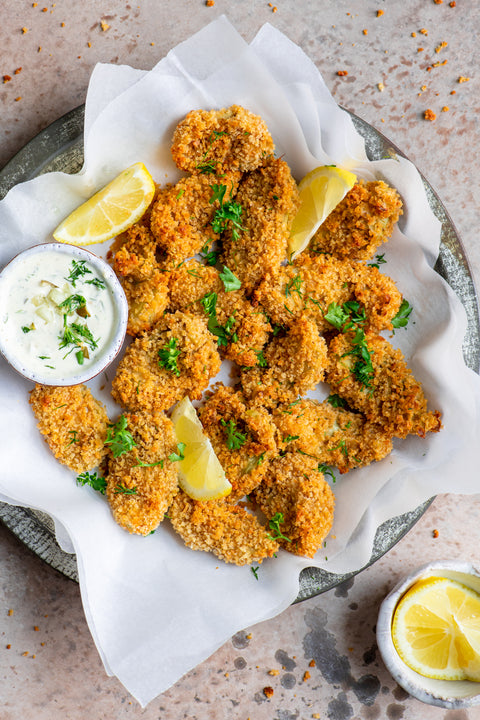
x=319, y=657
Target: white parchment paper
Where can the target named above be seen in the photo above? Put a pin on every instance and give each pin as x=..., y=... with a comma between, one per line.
x=156, y=609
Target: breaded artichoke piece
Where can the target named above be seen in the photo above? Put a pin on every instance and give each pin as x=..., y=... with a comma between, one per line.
x=392, y=397
x=142, y=482
x=181, y=216
x=73, y=423
x=228, y=531
x=241, y=330
x=360, y=223
x=177, y=358
x=311, y=283
x=295, y=364
x=335, y=436
x=294, y=487
x=269, y=200
x=147, y=301
x=213, y=140
x=243, y=439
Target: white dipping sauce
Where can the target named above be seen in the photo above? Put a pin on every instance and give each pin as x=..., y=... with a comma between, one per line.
x=58, y=314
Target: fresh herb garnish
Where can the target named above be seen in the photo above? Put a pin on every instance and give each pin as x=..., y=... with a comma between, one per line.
x=119, y=438
x=79, y=269
x=261, y=361
x=179, y=455
x=274, y=525
x=210, y=256
x=78, y=336
x=140, y=463
x=290, y=438
x=229, y=212
x=73, y=437
x=351, y=316
x=255, y=571
x=336, y=401
x=293, y=286
x=124, y=490
x=28, y=328
x=96, y=282
x=95, y=481
x=75, y=303
x=168, y=356
x=224, y=333
x=230, y=281
x=403, y=315
x=327, y=470
x=234, y=438
x=380, y=261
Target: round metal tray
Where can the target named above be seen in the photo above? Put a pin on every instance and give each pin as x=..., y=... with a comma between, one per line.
x=60, y=147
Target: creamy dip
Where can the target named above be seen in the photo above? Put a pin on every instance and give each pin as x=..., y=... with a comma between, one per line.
x=58, y=314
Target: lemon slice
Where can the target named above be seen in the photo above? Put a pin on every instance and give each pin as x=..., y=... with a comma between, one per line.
x=111, y=210
x=320, y=192
x=436, y=629
x=200, y=474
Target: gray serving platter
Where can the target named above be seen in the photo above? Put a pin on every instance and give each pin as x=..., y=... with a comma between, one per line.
x=60, y=148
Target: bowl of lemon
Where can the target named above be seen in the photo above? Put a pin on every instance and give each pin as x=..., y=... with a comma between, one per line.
x=428, y=633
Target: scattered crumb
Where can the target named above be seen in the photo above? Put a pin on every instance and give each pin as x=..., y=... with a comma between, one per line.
x=24, y=654
x=39, y=48
x=34, y=4
x=36, y=628
x=24, y=30
x=249, y=636
x=429, y=115
x=381, y=86
x=379, y=13
x=104, y=25
x=274, y=8
x=365, y=31
x=10, y=612
x=44, y=9
x=268, y=691
x=462, y=79
x=445, y=108
x=17, y=71
x=423, y=31
x=306, y=676
x=441, y=46
x=7, y=78
x=414, y=34
x=274, y=672
x=453, y=4
x=226, y=674
x=18, y=98
x=435, y=533
x=62, y=24
x=210, y=3
x=438, y=2
x=420, y=49
x=453, y=92
x=89, y=44
x=311, y=663
x=342, y=73
x=316, y=716
x=8, y=646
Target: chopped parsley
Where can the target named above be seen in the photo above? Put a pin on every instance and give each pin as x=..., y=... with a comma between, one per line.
x=255, y=571
x=351, y=316
x=75, y=303
x=119, y=438
x=227, y=214
x=95, y=481
x=124, y=490
x=79, y=269
x=168, y=356
x=293, y=286
x=336, y=401
x=230, y=281
x=274, y=525
x=403, y=315
x=179, y=455
x=210, y=256
x=327, y=470
x=380, y=261
x=234, y=438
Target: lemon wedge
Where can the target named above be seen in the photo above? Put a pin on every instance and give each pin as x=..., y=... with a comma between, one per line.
x=111, y=211
x=436, y=629
x=200, y=474
x=320, y=192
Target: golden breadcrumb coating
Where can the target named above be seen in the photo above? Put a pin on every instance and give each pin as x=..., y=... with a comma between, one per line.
x=142, y=382
x=228, y=531
x=147, y=301
x=133, y=253
x=181, y=216
x=294, y=487
x=215, y=140
x=269, y=200
x=294, y=365
x=334, y=436
x=394, y=400
x=306, y=288
x=245, y=456
x=360, y=223
x=192, y=282
x=73, y=423
x=142, y=482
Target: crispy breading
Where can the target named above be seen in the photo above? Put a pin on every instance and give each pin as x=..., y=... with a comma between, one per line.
x=147, y=301
x=244, y=461
x=269, y=200
x=335, y=436
x=142, y=382
x=394, y=398
x=216, y=140
x=228, y=531
x=360, y=223
x=181, y=216
x=294, y=487
x=142, y=482
x=73, y=423
x=133, y=254
x=295, y=364
x=306, y=288
x=248, y=327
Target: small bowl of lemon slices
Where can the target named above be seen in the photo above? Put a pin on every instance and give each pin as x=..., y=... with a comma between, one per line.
x=428, y=634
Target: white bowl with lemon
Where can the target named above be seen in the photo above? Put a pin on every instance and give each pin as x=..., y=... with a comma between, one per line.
x=428, y=633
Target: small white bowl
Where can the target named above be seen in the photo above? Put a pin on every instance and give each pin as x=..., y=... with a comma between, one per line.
x=112, y=321
x=443, y=693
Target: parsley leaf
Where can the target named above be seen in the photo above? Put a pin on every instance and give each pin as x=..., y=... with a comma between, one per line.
x=380, y=261
x=229, y=212
x=168, y=356
x=403, y=315
x=234, y=438
x=336, y=401
x=176, y=457
x=230, y=281
x=119, y=438
x=95, y=481
x=274, y=525
x=327, y=470
x=78, y=270
x=124, y=490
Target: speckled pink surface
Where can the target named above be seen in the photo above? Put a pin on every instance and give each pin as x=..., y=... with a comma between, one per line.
x=49, y=666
